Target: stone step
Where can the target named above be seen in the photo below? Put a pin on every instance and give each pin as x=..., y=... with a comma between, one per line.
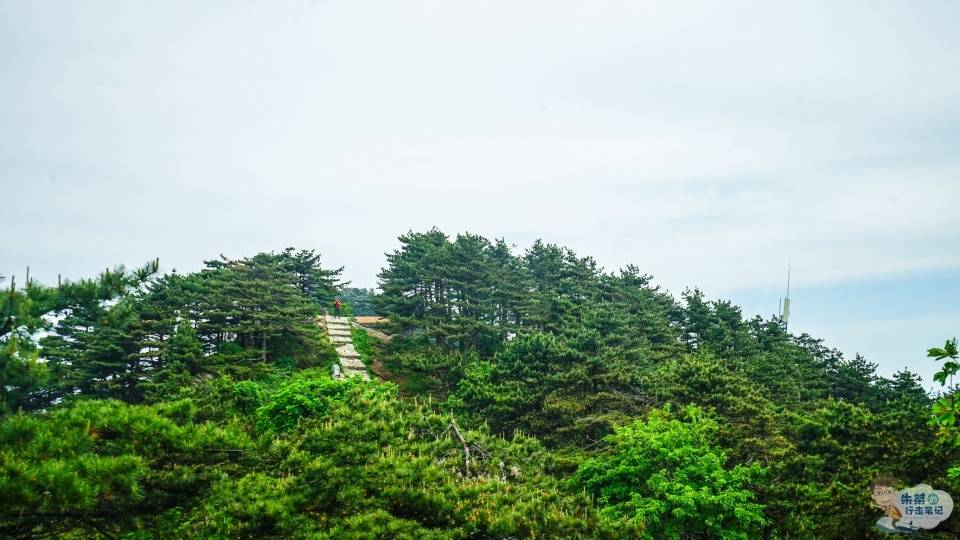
x=347, y=351
x=351, y=363
x=340, y=340
x=338, y=332
x=337, y=320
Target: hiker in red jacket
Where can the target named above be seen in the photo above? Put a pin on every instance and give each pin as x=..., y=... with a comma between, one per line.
x=336, y=306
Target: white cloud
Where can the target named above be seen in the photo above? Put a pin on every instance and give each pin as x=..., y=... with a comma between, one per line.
x=707, y=143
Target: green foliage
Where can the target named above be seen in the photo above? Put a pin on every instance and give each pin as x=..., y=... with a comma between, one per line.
x=752, y=428
x=510, y=391
x=531, y=400
x=425, y=369
x=101, y=467
x=21, y=374
x=358, y=301
x=459, y=294
x=138, y=337
x=946, y=410
x=373, y=465
x=309, y=277
x=99, y=336
x=585, y=351
x=306, y=395
x=363, y=343
x=541, y=385
x=184, y=348
x=249, y=396
x=667, y=477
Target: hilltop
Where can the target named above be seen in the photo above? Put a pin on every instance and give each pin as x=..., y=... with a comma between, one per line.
x=496, y=396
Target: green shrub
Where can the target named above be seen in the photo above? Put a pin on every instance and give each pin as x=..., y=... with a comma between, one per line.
x=307, y=395
x=666, y=476
x=248, y=396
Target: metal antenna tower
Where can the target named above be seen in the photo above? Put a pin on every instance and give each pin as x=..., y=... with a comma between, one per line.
x=785, y=312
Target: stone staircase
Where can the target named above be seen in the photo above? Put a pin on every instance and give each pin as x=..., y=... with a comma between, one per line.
x=338, y=328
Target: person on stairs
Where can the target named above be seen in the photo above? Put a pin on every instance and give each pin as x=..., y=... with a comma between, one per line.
x=336, y=306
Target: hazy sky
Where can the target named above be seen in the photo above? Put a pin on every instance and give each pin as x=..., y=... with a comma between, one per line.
x=707, y=142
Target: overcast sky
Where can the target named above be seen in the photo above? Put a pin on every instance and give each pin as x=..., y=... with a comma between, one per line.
x=707, y=142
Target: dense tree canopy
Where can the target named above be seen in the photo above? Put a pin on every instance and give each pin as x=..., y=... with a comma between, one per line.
x=527, y=394
x=578, y=353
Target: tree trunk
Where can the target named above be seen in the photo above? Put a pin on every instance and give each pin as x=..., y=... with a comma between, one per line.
x=466, y=447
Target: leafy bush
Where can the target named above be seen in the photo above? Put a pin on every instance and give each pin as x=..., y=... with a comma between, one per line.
x=248, y=396
x=665, y=475
x=309, y=394
x=363, y=343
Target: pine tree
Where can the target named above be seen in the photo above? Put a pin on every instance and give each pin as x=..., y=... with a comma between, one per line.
x=313, y=281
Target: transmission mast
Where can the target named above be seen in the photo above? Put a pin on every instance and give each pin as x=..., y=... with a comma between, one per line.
x=785, y=310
